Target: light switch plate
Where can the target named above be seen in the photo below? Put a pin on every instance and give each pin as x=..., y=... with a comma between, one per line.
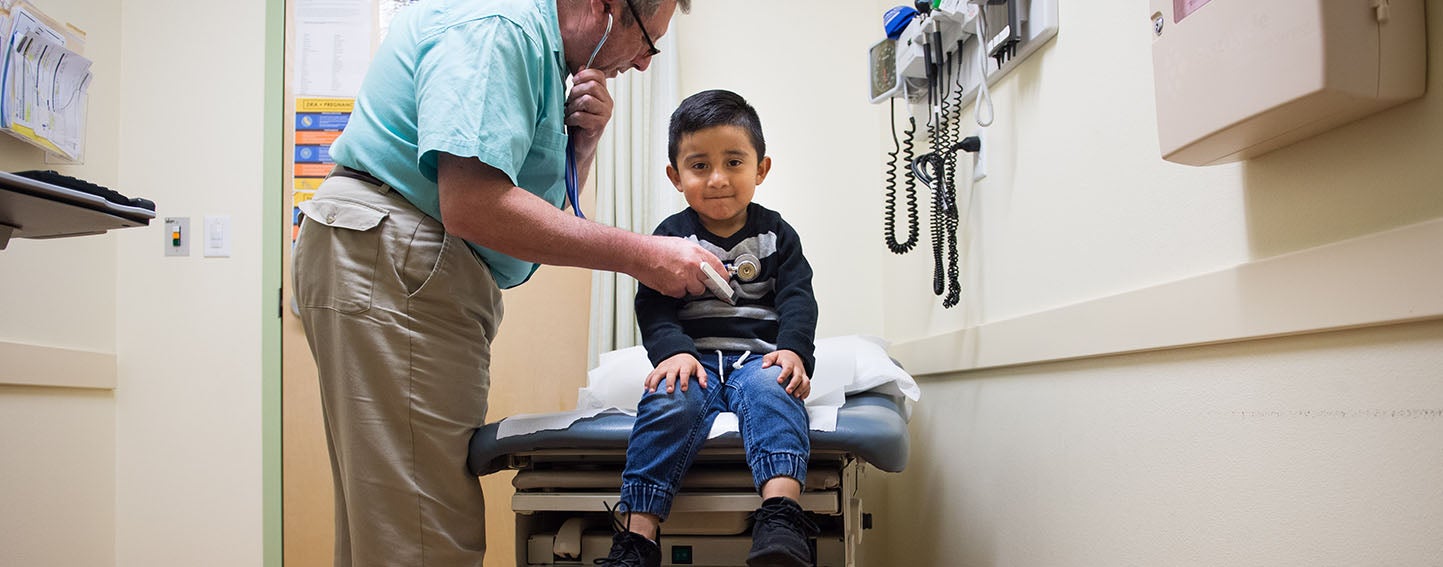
x=216, y=236
x=172, y=226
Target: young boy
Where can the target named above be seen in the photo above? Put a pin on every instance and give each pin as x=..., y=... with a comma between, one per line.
x=752, y=358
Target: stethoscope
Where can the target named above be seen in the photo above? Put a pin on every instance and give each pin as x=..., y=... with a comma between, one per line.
x=573, y=183
x=745, y=268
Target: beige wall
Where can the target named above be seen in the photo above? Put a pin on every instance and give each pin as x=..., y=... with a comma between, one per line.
x=164, y=470
x=1309, y=450
x=188, y=331
x=57, y=445
x=1078, y=205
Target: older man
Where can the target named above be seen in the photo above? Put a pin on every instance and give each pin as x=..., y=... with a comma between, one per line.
x=450, y=185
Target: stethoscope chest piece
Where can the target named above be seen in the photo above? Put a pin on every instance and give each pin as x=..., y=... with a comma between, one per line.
x=747, y=267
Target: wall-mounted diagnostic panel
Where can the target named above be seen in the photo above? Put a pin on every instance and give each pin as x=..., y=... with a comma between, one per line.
x=1239, y=78
x=939, y=56
x=947, y=30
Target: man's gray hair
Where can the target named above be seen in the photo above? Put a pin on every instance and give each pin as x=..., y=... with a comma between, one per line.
x=649, y=7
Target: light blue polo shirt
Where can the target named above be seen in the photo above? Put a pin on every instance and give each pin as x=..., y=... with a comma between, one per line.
x=483, y=79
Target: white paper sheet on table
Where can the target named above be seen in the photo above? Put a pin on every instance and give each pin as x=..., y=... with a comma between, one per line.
x=521, y=424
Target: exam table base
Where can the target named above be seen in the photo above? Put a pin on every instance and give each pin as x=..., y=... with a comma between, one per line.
x=564, y=522
x=677, y=550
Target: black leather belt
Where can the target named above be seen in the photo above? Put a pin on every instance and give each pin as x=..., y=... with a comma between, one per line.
x=343, y=171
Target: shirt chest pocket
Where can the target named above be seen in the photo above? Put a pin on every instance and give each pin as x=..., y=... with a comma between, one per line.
x=544, y=171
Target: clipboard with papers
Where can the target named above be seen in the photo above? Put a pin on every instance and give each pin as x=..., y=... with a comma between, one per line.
x=44, y=81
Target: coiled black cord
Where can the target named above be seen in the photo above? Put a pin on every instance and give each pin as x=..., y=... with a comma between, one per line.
x=889, y=220
x=938, y=224
x=944, y=203
x=933, y=165
x=954, y=281
x=951, y=219
x=937, y=171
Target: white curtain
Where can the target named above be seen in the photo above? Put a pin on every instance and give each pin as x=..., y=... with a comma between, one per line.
x=632, y=190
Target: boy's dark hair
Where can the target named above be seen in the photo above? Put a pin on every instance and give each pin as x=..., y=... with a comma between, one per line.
x=712, y=108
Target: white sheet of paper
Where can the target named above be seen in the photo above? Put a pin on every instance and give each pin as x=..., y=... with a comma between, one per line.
x=335, y=46
x=522, y=424
x=62, y=80
x=47, y=86
x=16, y=69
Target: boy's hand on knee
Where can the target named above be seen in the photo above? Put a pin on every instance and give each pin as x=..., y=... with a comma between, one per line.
x=679, y=368
x=794, y=373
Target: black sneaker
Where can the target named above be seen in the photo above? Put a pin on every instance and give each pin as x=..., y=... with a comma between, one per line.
x=628, y=548
x=780, y=535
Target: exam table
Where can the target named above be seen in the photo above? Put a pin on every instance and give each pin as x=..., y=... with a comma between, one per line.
x=566, y=478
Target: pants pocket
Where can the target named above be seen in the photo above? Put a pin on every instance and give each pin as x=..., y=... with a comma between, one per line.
x=336, y=256
x=424, y=254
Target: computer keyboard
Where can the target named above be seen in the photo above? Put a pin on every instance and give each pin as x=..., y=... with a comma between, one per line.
x=61, y=180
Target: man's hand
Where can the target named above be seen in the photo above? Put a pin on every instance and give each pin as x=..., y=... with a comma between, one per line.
x=678, y=368
x=800, y=385
x=588, y=109
x=672, y=266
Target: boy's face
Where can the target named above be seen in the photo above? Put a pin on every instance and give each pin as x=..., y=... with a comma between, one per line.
x=718, y=170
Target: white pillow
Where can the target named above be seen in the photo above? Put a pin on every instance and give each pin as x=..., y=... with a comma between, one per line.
x=874, y=369
x=617, y=381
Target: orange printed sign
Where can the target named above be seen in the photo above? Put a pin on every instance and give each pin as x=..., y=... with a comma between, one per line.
x=313, y=169
x=316, y=137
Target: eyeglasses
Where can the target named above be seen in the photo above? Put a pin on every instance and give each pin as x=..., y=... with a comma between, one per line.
x=651, y=45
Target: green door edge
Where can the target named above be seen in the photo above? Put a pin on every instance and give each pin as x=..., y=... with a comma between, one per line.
x=271, y=258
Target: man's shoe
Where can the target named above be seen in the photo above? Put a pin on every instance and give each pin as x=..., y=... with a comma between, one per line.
x=629, y=549
x=780, y=535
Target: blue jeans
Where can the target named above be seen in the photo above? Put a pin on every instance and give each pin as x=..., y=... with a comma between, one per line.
x=671, y=428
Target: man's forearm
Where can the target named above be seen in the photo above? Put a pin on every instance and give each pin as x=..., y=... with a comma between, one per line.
x=519, y=224
x=479, y=204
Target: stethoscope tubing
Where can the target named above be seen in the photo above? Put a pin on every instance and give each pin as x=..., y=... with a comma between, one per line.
x=573, y=183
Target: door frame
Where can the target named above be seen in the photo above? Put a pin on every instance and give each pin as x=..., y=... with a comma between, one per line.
x=271, y=258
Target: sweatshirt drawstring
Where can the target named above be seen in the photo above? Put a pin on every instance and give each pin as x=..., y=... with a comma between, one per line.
x=721, y=364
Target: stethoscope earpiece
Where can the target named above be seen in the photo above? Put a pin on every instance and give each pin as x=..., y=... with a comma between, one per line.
x=604, y=35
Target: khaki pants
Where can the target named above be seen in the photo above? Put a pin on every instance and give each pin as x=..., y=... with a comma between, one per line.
x=400, y=317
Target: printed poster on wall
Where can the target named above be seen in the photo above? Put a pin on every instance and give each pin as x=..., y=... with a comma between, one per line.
x=319, y=122
x=333, y=46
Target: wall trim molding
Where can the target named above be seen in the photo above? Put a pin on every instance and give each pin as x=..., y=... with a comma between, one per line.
x=1394, y=276
x=35, y=365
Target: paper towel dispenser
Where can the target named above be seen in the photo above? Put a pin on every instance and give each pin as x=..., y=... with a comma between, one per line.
x=1239, y=78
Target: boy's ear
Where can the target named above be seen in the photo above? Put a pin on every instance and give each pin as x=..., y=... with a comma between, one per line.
x=763, y=168
x=674, y=176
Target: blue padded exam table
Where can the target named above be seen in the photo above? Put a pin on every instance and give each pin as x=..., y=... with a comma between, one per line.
x=566, y=479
